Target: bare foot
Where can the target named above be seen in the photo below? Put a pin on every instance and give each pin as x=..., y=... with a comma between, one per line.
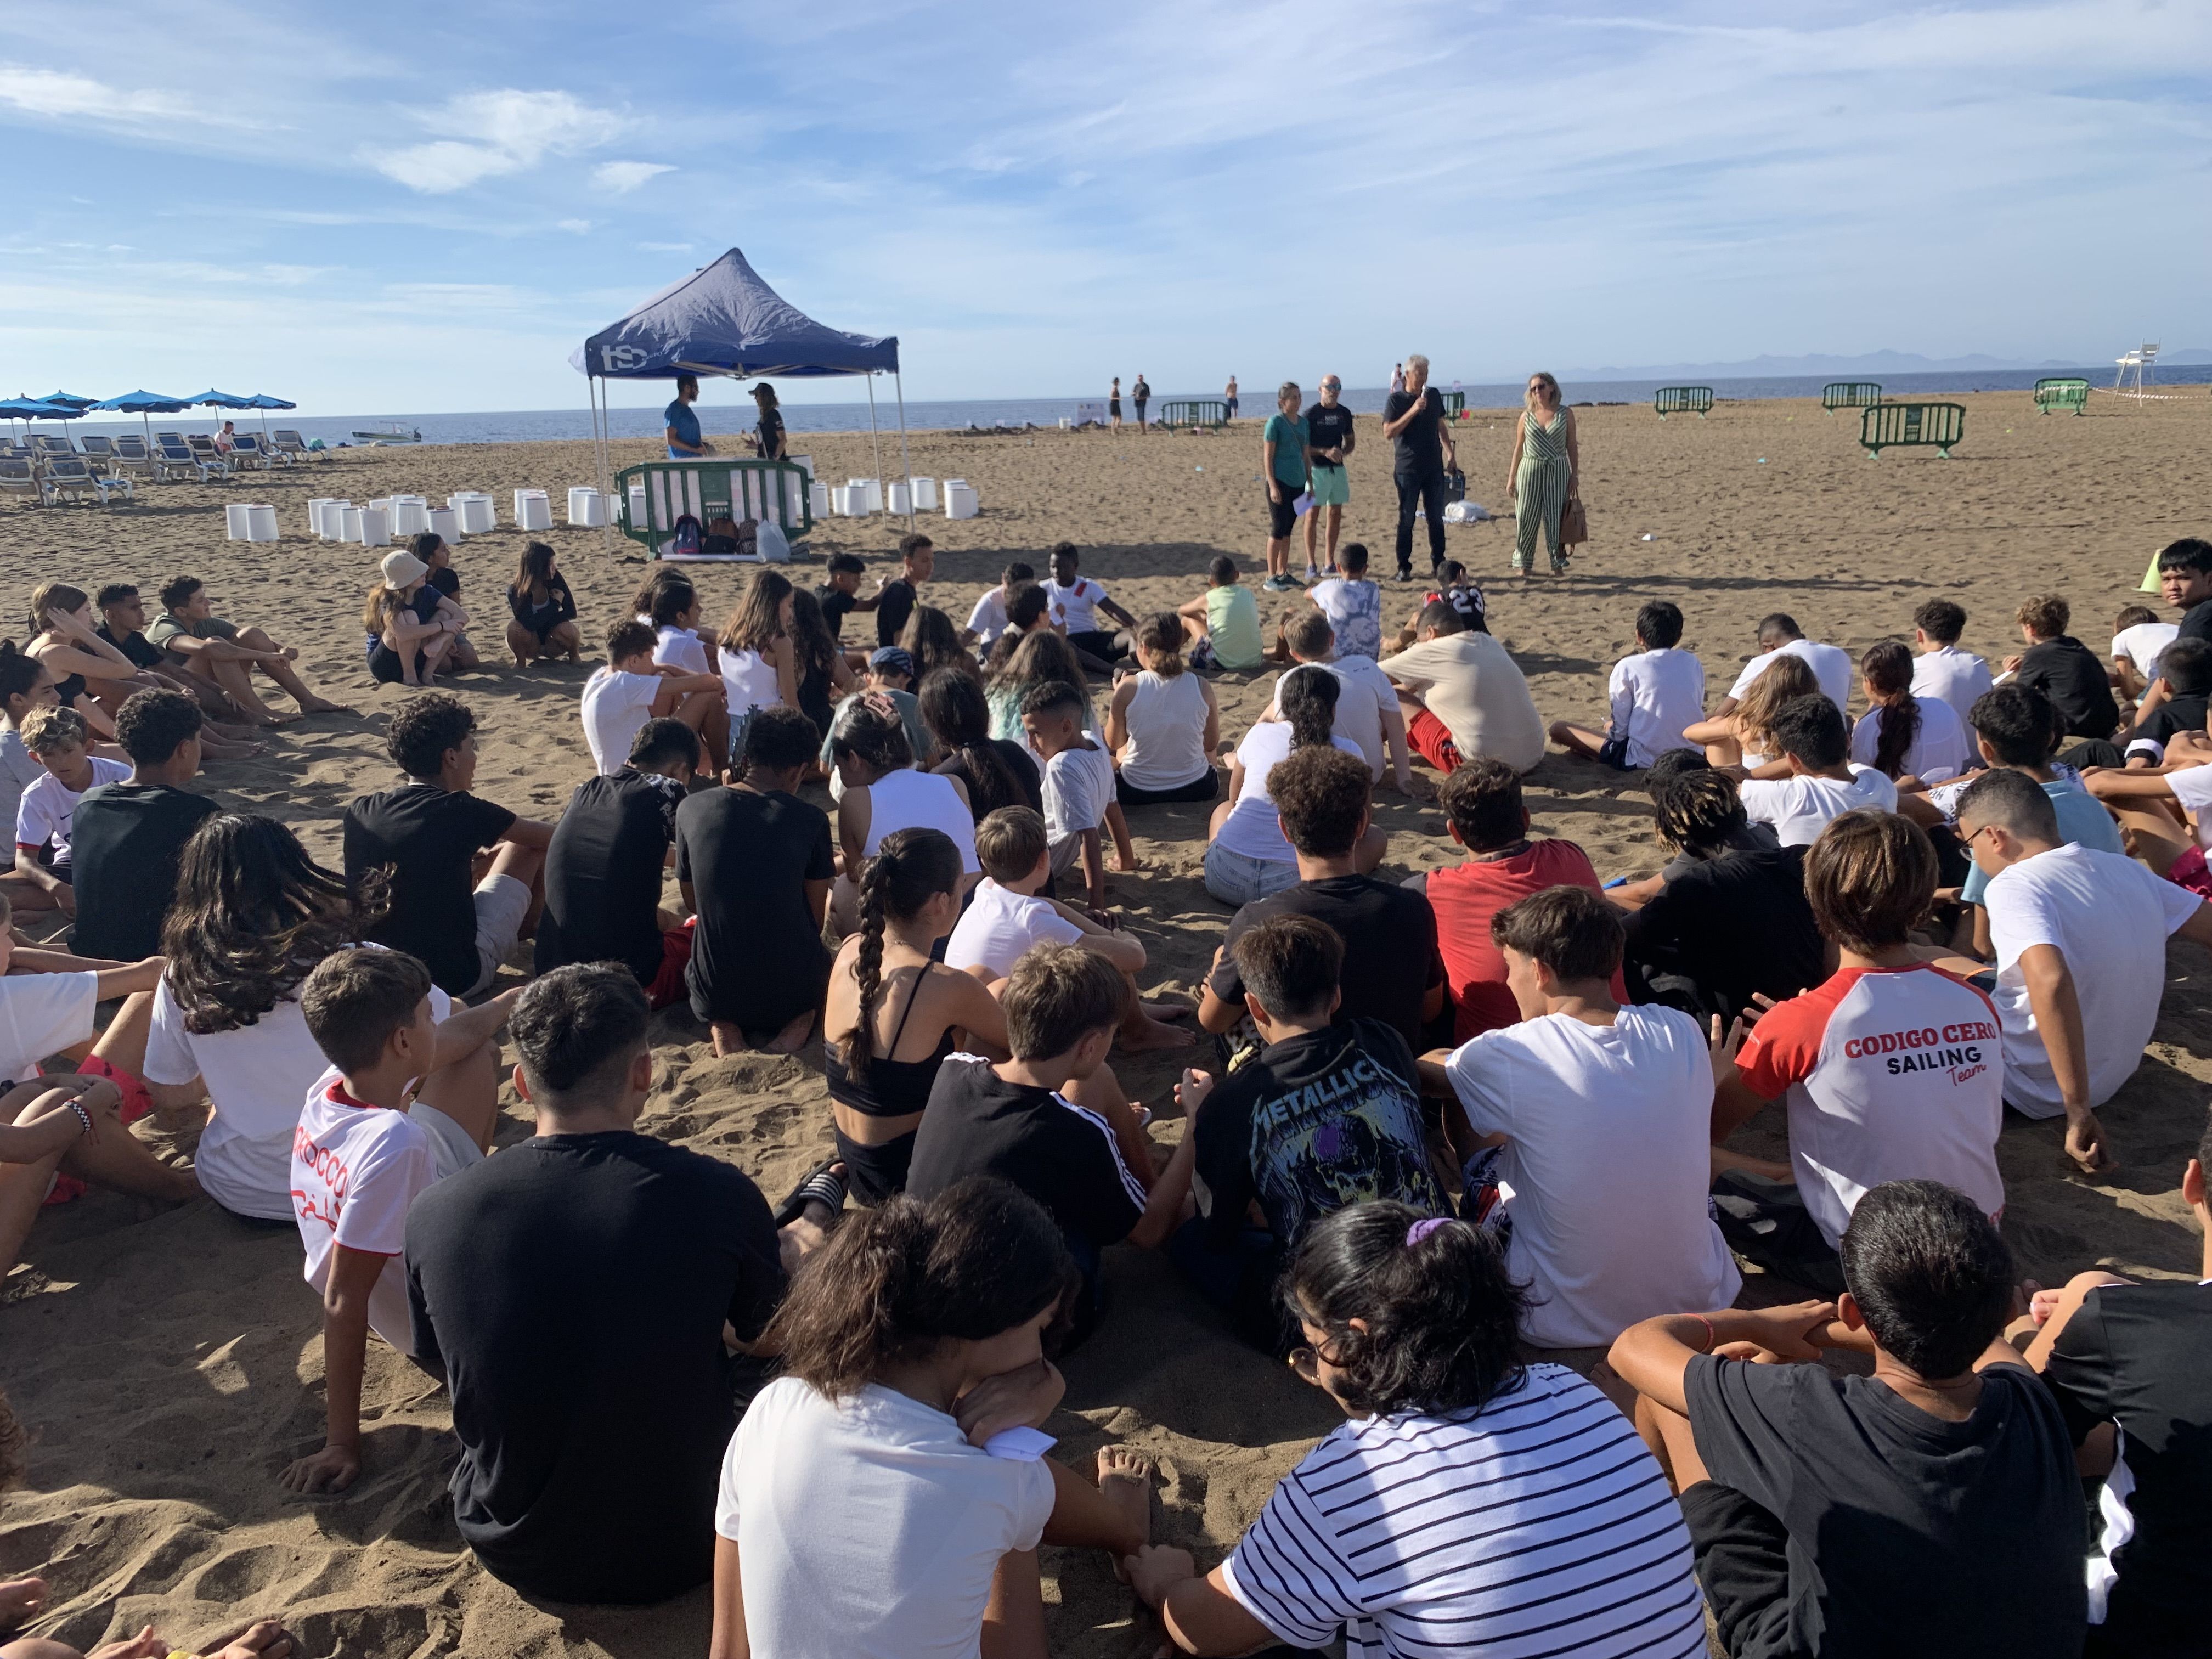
x=1162, y=1008
x=793, y=1037
x=1145, y=1033
x=322, y=705
x=1125, y=1481
x=21, y=1599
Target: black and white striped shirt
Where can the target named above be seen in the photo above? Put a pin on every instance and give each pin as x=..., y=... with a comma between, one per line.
x=1537, y=1527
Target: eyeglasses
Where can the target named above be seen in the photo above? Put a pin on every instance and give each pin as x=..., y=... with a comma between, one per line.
x=1977, y=834
x=1332, y=385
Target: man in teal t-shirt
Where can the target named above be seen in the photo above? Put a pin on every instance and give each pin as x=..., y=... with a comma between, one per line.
x=1283, y=454
x=684, y=441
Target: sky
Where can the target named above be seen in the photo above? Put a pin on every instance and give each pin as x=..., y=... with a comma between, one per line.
x=414, y=208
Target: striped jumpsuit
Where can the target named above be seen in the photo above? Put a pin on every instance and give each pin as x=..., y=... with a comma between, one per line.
x=1543, y=484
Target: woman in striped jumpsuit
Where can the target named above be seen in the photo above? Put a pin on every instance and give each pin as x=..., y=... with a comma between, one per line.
x=1542, y=474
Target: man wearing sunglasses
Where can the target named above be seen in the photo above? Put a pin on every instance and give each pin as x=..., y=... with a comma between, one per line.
x=1330, y=439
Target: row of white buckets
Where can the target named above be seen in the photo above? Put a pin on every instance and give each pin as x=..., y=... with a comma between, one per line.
x=396, y=518
x=857, y=498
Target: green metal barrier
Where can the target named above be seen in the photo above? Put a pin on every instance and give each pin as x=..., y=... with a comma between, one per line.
x=651, y=497
x=1455, y=405
x=1194, y=412
x=1683, y=400
x=1850, y=394
x=1895, y=426
x=2062, y=393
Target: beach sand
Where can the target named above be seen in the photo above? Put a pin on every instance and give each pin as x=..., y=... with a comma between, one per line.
x=168, y=1366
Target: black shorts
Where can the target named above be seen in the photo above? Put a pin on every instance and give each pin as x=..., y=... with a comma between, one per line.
x=1283, y=515
x=1743, y=1564
x=1206, y=787
x=1766, y=1222
x=388, y=667
x=873, y=1173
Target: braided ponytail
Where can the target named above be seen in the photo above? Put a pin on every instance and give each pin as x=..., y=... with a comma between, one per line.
x=1888, y=670
x=911, y=867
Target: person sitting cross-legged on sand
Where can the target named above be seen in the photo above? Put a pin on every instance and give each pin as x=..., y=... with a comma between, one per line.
x=125, y=838
x=1162, y=724
x=897, y=596
x=1023, y=659
x=1745, y=735
x=1462, y=695
x=1080, y=805
x=1392, y=970
x=603, y=866
x=123, y=625
x=1892, y=1070
x=411, y=1095
x=1818, y=781
x=1485, y=813
x=678, y=646
x=633, y=686
x=1326, y=1114
x=1830, y=1512
x=1473, y=1492
x=2068, y=672
x=2131, y=1367
x=190, y=632
x=91, y=676
x=1583, y=1131
x=61, y=742
x=931, y=640
x=1052, y=1119
x=1008, y=916
x=995, y=772
x=1222, y=624
x=432, y=832
x=922, y=1332
x=1941, y=669
x=1076, y=599
x=755, y=863
x=541, y=610
x=2184, y=668
x=1367, y=708
x=1780, y=636
x=884, y=792
x=987, y=620
x=1653, y=697
x=1670, y=765
x=1247, y=857
x=594, y=1482
x=1911, y=739
x=2077, y=935
x=2139, y=639
x=440, y=578
x=890, y=677
x=1353, y=604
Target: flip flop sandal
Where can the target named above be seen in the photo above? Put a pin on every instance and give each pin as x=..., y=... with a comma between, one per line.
x=819, y=1187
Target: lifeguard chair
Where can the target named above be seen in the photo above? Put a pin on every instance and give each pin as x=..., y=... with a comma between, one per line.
x=2137, y=363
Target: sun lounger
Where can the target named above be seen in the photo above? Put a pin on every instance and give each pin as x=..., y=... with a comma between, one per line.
x=204, y=451
x=19, y=477
x=292, y=446
x=132, y=458
x=251, y=452
x=72, y=476
x=100, y=451
x=45, y=444
x=173, y=458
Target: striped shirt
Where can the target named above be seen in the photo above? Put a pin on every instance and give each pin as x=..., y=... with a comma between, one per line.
x=1539, y=1526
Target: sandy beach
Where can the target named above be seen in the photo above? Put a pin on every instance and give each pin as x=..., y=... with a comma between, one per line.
x=168, y=1365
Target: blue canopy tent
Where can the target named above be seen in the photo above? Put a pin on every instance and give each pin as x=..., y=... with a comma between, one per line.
x=723, y=319
x=143, y=404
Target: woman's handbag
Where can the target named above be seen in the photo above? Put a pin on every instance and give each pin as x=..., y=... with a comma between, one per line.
x=1574, y=522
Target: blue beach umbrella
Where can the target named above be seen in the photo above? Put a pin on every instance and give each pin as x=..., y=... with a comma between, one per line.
x=68, y=398
x=35, y=409
x=143, y=404
x=220, y=400
x=265, y=402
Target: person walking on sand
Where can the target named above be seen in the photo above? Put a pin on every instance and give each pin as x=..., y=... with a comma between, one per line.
x=1229, y=393
x=1114, y=406
x=1141, y=394
x=1414, y=420
x=1542, y=475
x=684, y=441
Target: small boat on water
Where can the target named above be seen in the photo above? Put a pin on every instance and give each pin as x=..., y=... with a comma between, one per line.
x=390, y=433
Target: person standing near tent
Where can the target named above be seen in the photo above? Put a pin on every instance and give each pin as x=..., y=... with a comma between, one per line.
x=685, y=442
x=767, y=436
x=1229, y=394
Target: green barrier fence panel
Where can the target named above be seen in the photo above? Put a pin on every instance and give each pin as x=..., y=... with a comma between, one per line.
x=650, y=497
x=1683, y=400
x=2062, y=393
x=1454, y=404
x=1850, y=394
x=1899, y=426
x=1194, y=412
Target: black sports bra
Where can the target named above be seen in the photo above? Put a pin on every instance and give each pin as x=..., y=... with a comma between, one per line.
x=70, y=689
x=889, y=1088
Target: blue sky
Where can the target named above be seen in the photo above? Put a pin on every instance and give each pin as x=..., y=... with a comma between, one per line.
x=407, y=207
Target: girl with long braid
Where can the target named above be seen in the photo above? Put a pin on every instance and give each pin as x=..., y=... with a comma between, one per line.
x=1901, y=736
x=1246, y=856
x=893, y=1012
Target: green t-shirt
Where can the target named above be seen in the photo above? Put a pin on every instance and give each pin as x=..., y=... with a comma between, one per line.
x=166, y=628
x=1288, y=435
x=1232, y=621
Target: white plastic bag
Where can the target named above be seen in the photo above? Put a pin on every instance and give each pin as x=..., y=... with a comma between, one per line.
x=775, y=547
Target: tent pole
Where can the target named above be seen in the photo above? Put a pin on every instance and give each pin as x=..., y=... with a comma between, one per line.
x=906, y=465
x=600, y=442
x=872, y=437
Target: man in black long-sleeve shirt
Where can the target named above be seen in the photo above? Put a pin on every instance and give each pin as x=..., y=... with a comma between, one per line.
x=2064, y=669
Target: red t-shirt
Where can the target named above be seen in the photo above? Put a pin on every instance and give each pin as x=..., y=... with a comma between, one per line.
x=1465, y=896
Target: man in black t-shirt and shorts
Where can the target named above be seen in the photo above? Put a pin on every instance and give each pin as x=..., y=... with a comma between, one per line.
x=1414, y=421
x=1329, y=439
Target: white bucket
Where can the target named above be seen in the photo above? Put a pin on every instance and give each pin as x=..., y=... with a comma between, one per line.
x=375, y=527
x=349, y=518
x=410, y=515
x=925, y=494
x=260, y=522
x=446, y=525
x=478, y=516
x=587, y=508
x=532, y=510
x=234, y=522
x=897, y=497
x=817, y=500
x=961, y=502
x=319, y=515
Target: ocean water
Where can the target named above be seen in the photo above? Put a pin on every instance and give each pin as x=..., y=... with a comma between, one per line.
x=731, y=410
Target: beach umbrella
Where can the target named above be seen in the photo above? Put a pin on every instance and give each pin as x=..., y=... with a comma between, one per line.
x=220, y=400
x=143, y=404
x=35, y=409
x=265, y=402
x=68, y=398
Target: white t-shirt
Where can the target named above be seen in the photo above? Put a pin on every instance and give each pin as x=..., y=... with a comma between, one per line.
x=1250, y=827
x=1891, y=1074
x=681, y=648
x=909, y=799
x=999, y=926
x=1078, y=787
x=2192, y=788
x=988, y=619
x=18, y=772
x=354, y=1169
x=255, y=1075
x=1653, y=695
x=1939, y=750
x=1801, y=808
x=1471, y=683
x=1073, y=604
x=42, y=1014
x=1359, y=708
x=1959, y=677
x=1354, y=610
x=2145, y=644
x=615, y=705
x=2109, y=917
x=1831, y=665
x=1538, y=1525
x=1606, y=1163
x=869, y=1527
x=49, y=805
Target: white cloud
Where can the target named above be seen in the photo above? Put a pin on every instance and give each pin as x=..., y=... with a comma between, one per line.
x=489, y=134
x=57, y=93
x=623, y=177
x=579, y=225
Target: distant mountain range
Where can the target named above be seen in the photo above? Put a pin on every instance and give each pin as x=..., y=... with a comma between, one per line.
x=1870, y=362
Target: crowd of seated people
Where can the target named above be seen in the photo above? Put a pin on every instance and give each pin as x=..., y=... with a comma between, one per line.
x=1458, y=1136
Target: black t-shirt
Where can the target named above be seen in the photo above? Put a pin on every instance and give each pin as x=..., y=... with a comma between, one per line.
x=135, y=645
x=1328, y=427
x=770, y=434
x=1060, y=1154
x=1906, y=1532
x=2065, y=670
x=2184, y=712
x=1420, y=449
x=1019, y=762
x=2197, y=623
x=757, y=958
x=1390, y=956
x=603, y=873
x=1732, y=925
x=2141, y=1355
x=836, y=606
x=429, y=835
x=575, y=1287
x=1315, y=1124
x=893, y=606
x=446, y=579
x=126, y=842
x=543, y=616
x=1141, y=391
